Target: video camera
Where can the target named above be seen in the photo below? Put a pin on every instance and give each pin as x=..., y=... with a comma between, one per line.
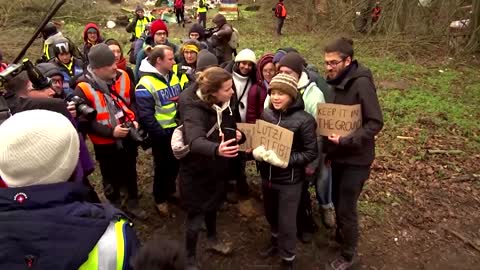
x=39, y=81
x=209, y=32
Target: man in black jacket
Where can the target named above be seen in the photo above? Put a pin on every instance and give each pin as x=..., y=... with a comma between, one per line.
x=350, y=156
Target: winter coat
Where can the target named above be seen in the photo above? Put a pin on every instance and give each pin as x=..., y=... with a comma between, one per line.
x=357, y=87
x=304, y=147
x=87, y=45
x=240, y=83
x=258, y=92
x=310, y=92
x=220, y=39
x=202, y=172
x=55, y=226
x=69, y=76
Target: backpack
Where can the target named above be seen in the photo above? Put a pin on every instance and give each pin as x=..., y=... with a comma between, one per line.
x=234, y=41
x=179, y=148
x=178, y=4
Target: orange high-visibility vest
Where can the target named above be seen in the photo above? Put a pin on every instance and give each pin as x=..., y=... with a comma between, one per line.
x=97, y=99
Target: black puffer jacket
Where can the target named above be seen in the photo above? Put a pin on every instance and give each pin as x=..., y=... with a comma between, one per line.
x=202, y=172
x=304, y=147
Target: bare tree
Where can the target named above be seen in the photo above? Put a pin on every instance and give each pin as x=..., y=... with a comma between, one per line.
x=473, y=44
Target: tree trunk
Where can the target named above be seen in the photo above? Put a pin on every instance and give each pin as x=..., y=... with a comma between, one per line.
x=473, y=44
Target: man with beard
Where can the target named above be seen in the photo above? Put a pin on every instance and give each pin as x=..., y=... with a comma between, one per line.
x=350, y=156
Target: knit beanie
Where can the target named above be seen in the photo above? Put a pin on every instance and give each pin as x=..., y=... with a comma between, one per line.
x=246, y=55
x=37, y=147
x=138, y=8
x=284, y=83
x=156, y=26
x=100, y=56
x=49, y=69
x=206, y=59
x=281, y=53
x=294, y=61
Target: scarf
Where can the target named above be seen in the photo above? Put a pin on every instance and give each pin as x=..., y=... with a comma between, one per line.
x=122, y=64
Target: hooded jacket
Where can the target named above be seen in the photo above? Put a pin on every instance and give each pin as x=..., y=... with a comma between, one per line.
x=258, y=92
x=53, y=227
x=220, y=39
x=357, y=87
x=146, y=102
x=87, y=45
x=69, y=76
x=310, y=93
x=142, y=55
x=304, y=147
x=202, y=172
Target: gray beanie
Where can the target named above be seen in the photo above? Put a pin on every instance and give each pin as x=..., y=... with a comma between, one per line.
x=100, y=56
x=206, y=59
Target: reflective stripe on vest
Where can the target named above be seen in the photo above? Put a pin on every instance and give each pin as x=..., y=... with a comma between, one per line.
x=140, y=26
x=109, y=252
x=183, y=77
x=121, y=86
x=45, y=51
x=202, y=9
x=165, y=109
x=98, y=102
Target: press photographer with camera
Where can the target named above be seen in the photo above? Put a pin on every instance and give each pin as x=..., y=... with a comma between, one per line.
x=108, y=90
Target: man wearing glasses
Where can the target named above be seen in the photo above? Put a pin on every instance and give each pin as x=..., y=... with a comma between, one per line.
x=350, y=156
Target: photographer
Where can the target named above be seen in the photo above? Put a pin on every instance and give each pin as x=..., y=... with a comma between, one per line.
x=108, y=90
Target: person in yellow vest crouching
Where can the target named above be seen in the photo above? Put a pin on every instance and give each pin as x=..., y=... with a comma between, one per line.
x=47, y=222
x=156, y=94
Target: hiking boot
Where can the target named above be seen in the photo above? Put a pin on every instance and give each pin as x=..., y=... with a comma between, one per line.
x=339, y=264
x=162, y=209
x=328, y=217
x=306, y=237
x=287, y=264
x=133, y=209
x=270, y=250
x=214, y=244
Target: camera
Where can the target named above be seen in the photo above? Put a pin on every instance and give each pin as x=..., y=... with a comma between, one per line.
x=209, y=32
x=39, y=81
x=138, y=135
x=82, y=107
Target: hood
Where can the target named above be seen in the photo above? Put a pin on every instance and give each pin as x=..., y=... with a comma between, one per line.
x=94, y=26
x=304, y=80
x=197, y=28
x=146, y=67
x=354, y=71
x=219, y=20
x=51, y=39
x=265, y=59
x=297, y=105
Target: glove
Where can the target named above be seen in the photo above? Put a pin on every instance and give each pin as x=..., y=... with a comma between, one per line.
x=259, y=152
x=273, y=159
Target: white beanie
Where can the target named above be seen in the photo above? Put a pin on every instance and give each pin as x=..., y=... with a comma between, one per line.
x=37, y=147
x=246, y=55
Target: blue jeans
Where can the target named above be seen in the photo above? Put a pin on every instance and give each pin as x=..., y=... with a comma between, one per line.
x=323, y=186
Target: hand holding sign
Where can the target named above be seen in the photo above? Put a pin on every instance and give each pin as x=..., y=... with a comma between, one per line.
x=335, y=120
x=334, y=138
x=275, y=138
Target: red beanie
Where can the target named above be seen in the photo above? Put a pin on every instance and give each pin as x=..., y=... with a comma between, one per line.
x=158, y=25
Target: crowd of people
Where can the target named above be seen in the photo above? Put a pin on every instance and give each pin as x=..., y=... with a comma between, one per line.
x=184, y=102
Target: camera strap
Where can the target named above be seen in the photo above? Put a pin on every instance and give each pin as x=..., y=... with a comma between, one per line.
x=4, y=110
x=124, y=102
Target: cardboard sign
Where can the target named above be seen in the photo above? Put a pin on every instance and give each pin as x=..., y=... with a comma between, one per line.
x=248, y=130
x=339, y=119
x=273, y=138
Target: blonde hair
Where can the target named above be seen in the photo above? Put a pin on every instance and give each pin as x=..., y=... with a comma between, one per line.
x=210, y=81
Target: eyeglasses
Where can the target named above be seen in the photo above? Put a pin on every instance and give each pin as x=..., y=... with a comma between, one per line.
x=333, y=63
x=160, y=33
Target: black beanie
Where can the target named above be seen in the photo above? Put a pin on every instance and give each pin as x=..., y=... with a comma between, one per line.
x=197, y=28
x=100, y=56
x=49, y=70
x=294, y=61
